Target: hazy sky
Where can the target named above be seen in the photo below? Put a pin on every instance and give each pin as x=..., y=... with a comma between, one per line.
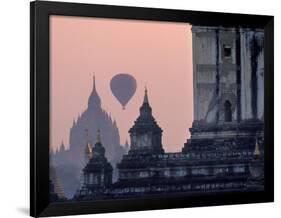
x=157, y=54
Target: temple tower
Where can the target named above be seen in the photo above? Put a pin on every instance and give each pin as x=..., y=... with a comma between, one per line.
x=146, y=145
x=146, y=135
x=97, y=172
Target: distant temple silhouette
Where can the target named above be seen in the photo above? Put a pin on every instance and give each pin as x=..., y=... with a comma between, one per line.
x=69, y=162
x=56, y=191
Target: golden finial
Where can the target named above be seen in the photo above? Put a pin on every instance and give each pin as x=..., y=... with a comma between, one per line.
x=88, y=149
x=145, y=99
x=257, y=149
x=98, y=136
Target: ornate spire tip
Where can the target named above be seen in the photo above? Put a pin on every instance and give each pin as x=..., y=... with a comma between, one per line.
x=94, y=82
x=145, y=99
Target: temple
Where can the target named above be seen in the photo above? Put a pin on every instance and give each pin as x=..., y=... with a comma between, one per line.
x=145, y=134
x=97, y=174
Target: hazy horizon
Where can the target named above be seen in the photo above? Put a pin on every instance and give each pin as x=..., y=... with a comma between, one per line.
x=156, y=54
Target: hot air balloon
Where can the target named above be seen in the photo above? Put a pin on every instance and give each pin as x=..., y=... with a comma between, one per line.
x=123, y=87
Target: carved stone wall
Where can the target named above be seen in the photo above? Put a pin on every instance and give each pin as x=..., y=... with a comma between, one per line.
x=227, y=66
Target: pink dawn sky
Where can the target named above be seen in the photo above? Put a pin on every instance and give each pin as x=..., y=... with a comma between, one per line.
x=156, y=54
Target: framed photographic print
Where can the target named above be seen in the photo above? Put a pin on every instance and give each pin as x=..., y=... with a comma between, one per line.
x=141, y=109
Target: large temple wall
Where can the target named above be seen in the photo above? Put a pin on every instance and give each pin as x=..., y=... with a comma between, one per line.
x=215, y=74
x=260, y=96
x=246, y=77
x=252, y=63
x=204, y=72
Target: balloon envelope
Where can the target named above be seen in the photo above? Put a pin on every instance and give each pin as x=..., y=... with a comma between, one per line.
x=123, y=87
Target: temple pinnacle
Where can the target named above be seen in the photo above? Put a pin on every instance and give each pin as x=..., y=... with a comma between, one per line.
x=145, y=99
x=94, y=83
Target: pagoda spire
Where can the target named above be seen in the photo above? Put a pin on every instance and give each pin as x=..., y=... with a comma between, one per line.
x=62, y=147
x=98, y=149
x=94, y=83
x=145, y=99
x=94, y=101
x=145, y=109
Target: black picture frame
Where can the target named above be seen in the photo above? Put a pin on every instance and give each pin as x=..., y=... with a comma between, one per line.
x=40, y=107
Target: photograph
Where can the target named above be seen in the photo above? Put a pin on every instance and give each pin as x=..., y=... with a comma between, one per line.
x=142, y=108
